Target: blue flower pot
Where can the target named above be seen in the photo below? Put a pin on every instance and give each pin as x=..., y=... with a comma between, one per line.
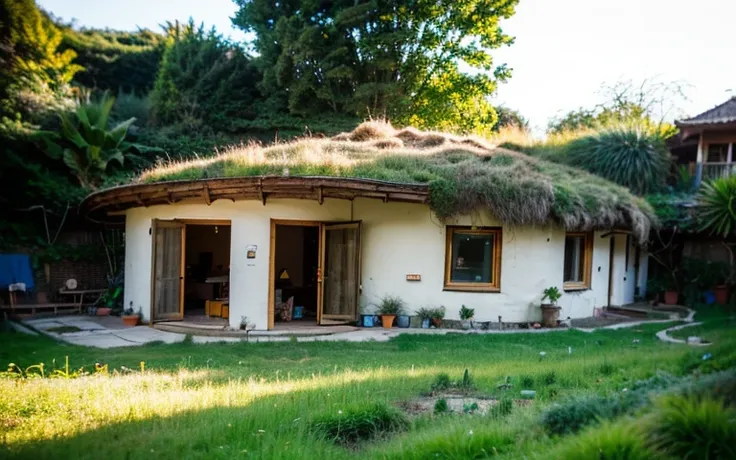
x=367, y=320
x=425, y=323
x=403, y=321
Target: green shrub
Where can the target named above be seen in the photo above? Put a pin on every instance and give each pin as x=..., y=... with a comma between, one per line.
x=440, y=406
x=502, y=408
x=621, y=441
x=467, y=382
x=441, y=382
x=691, y=428
x=360, y=423
x=526, y=382
x=549, y=378
x=719, y=385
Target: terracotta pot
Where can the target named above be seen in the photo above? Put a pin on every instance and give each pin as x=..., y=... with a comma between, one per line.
x=103, y=311
x=721, y=294
x=131, y=320
x=550, y=315
x=670, y=297
x=436, y=322
x=388, y=321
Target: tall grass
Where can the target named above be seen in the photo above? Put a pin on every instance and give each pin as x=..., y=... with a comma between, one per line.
x=247, y=400
x=463, y=174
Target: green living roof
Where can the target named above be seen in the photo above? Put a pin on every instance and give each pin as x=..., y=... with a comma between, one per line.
x=463, y=174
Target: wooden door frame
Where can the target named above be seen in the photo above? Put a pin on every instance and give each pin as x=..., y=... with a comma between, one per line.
x=183, y=250
x=272, y=263
x=323, y=238
x=164, y=223
x=611, y=266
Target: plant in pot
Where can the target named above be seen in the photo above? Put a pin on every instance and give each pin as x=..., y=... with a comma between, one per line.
x=112, y=298
x=437, y=315
x=425, y=315
x=720, y=279
x=466, y=317
x=131, y=317
x=550, y=311
x=389, y=308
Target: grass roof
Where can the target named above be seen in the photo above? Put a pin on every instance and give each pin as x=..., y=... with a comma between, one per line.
x=464, y=174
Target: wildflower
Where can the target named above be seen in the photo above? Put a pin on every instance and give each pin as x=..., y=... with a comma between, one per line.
x=261, y=431
x=470, y=433
x=542, y=353
x=339, y=412
x=707, y=356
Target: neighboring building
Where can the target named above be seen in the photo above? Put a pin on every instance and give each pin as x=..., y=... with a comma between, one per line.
x=337, y=245
x=706, y=142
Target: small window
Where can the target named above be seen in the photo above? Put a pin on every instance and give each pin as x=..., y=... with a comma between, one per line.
x=473, y=259
x=578, y=260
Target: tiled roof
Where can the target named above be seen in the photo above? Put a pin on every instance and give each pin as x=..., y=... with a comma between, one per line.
x=724, y=113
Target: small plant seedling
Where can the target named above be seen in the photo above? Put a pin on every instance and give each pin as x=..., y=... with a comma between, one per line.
x=466, y=313
x=505, y=384
x=606, y=369
x=549, y=378
x=553, y=294
x=467, y=382
x=470, y=408
x=502, y=408
x=440, y=406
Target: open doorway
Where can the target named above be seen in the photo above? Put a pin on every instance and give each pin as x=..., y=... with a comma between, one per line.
x=207, y=273
x=295, y=274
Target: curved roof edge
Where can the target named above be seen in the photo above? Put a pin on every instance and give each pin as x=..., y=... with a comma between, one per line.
x=98, y=205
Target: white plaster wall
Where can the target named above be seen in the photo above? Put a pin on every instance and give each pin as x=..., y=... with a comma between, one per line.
x=251, y=225
x=405, y=238
x=397, y=239
x=624, y=280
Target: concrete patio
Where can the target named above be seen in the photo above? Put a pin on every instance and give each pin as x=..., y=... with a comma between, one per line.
x=109, y=332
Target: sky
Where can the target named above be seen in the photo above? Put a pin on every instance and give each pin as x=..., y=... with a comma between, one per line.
x=564, y=49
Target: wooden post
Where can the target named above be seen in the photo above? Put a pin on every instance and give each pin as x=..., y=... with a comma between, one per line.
x=729, y=156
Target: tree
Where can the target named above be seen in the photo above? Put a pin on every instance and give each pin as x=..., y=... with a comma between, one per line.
x=115, y=60
x=509, y=117
x=648, y=104
x=203, y=80
x=34, y=73
x=426, y=63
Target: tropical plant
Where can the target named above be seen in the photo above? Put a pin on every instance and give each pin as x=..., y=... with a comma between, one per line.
x=391, y=305
x=716, y=209
x=553, y=294
x=467, y=313
x=87, y=146
x=626, y=155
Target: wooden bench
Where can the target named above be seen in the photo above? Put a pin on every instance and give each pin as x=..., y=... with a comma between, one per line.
x=23, y=308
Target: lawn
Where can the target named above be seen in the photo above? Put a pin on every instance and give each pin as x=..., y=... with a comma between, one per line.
x=274, y=400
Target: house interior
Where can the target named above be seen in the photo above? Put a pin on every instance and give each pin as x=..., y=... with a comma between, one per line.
x=295, y=265
x=207, y=273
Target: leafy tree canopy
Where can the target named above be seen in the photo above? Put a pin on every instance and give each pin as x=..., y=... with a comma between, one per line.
x=203, y=80
x=425, y=63
x=115, y=60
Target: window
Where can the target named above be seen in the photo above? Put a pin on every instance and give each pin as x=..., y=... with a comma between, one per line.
x=578, y=260
x=473, y=259
x=717, y=153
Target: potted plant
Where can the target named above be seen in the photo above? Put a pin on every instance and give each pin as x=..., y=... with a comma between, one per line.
x=466, y=317
x=437, y=315
x=131, y=317
x=720, y=280
x=390, y=307
x=425, y=315
x=550, y=311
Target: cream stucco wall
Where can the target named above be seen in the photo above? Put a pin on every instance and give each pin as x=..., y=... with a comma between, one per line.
x=397, y=239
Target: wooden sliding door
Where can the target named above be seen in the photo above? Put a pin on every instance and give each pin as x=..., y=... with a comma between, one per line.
x=167, y=280
x=340, y=268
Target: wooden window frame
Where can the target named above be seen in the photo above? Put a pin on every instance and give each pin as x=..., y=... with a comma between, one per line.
x=495, y=284
x=587, y=263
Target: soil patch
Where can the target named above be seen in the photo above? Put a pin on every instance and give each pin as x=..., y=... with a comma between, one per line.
x=457, y=403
